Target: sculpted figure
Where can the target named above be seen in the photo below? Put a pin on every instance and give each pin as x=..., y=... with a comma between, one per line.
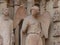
x=54, y=34
x=32, y=31
x=6, y=27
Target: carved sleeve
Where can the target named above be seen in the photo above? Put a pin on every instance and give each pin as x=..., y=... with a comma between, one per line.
x=41, y=30
x=24, y=25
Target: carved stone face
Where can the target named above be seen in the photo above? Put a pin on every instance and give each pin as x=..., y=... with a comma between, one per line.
x=35, y=10
x=56, y=16
x=5, y=11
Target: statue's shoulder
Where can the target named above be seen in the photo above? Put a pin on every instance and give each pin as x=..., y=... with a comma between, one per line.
x=27, y=18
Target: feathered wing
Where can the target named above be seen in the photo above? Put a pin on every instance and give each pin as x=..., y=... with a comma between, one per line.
x=20, y=14
x=45, y=23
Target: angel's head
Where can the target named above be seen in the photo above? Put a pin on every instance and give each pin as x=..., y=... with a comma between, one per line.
x=35, y=10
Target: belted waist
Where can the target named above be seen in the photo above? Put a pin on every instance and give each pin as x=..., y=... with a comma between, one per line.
x=33, y=33
x=41, y=35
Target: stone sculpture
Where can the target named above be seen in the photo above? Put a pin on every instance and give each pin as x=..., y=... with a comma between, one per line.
x=6, y=28
x=54, y=33
x=35, y=28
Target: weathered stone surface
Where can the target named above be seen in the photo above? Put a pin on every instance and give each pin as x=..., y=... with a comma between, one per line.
x=2, y=6
x=45, y=20
x=19, y=15
x=11, y=12
x=17, y=2
x=57, y=29
x=1, y=40
x=2, y=1
x=11, y=2
x=55, y=3
x=54, y=33
x=42, y=6
x=31, y=28
x=56, y=16
x=30, y=32
x=30, y=3
x=6, y=30
x=16, y=7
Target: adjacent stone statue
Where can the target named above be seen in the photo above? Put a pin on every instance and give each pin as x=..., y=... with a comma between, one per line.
x=35, y=27
x=6, y=28
x=54, y=33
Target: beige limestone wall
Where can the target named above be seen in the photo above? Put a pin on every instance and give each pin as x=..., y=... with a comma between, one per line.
x=49, y=7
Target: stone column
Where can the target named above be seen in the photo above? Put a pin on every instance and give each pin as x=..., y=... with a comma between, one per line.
x=29, y=5
x=11, y=8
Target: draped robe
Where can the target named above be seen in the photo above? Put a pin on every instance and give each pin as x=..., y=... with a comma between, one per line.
x=6, y=30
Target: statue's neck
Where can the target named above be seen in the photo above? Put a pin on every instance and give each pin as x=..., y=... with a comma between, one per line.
x=35, y=16
x=6, y=17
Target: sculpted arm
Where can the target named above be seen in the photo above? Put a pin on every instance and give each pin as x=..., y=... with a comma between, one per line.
x=23, y=31
x=24, y=26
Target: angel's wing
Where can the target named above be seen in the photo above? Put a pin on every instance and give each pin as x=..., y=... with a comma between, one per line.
x=20, y=14
x=45, y=23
